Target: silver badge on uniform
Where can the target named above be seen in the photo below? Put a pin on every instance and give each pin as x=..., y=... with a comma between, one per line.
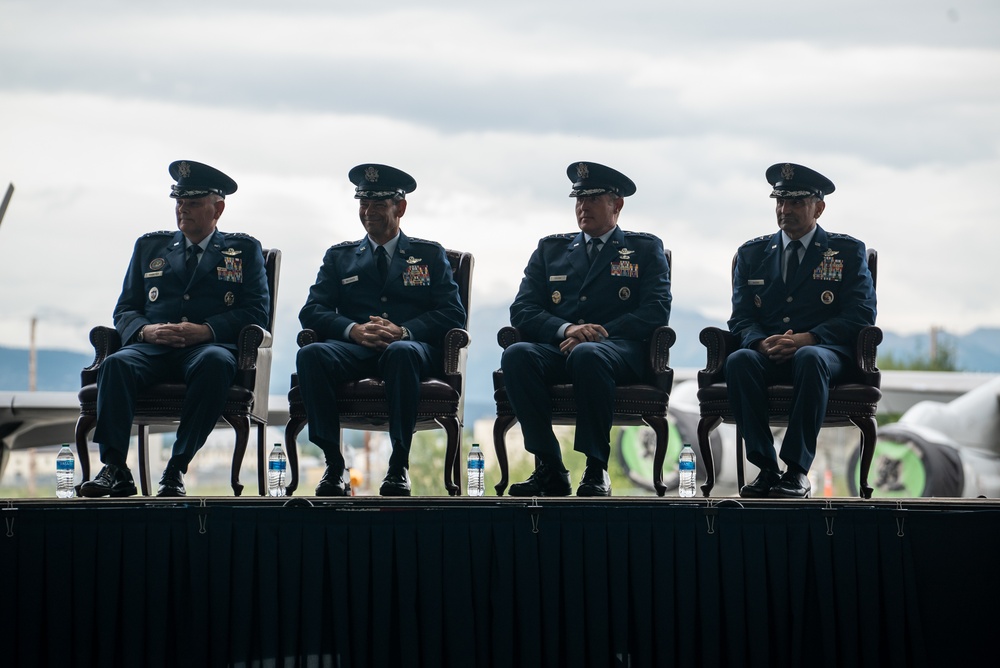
x=624, y=294
x=756, y=301
x=157, y=263
x=153, y=294
x=556, y=297
x=826, y=297
x=231, y=251
x=413, y=260
x=230, y=299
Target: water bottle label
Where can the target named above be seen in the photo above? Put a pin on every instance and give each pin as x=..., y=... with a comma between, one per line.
x=276, y=466
x=477, y=464
x=64, y=464
x=687, y=466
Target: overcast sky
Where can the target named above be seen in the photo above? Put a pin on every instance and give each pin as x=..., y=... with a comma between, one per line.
x=485, y=104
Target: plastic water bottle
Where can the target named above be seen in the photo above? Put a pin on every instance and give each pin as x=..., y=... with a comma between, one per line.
x=276, y=465
x=688, y=469
x=474, y=472
x=65, y=472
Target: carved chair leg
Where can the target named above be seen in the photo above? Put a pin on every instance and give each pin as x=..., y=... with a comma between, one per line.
x=452, y=473
x=500, y=428
x=240, y=424
x=868, y=427
x=661, y=428
x=705, y=427
x=292, y=429
x=144, y=458
x=84, y=425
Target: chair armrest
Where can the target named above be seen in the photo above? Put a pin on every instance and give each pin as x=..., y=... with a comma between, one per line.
x=868, y=340
x=508, y=336
x=719, y=344
x=659, y=357
x=106, y=341
x=305, y=337
x=455, y=341
x=252, y=338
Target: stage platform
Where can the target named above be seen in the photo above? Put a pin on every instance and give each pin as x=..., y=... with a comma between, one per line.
x=499, y=582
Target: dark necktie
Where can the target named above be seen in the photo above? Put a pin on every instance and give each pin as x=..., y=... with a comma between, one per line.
x=382, y=262
x=793, y=260
x=192, y=260
x=595, y=248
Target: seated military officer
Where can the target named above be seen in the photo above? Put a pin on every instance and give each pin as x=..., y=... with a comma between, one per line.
x=380, y=307
x=587, y=304
x=186, y=296
x=800, y=298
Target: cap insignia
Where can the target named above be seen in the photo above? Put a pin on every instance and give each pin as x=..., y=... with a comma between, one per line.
x=184, y=170
x=787, y=172
x=582, y=171
x=371, y=174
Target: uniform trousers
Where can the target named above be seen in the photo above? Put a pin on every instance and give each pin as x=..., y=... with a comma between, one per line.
x=207, y=370
x=593, y=368
x=324, y=365
x=811, y=371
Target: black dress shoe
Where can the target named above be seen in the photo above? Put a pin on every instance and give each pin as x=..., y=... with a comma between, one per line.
x=172, y=482
x=545, y=480
x=595, y=482
x=395, y=483
x=112, y=480
x=793, y=485
x=335, y=482
x=760, y=488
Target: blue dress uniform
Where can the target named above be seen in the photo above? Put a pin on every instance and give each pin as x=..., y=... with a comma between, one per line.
x=227, y=291
x=831, y=296
x=419, y=294
x=626, y=290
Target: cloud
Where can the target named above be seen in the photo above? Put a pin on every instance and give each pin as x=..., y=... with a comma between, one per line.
x=896, y=102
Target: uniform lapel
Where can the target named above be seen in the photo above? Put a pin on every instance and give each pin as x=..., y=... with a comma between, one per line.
x=175, y=258
x=811, y=259
x=600, y=265
x=576, y=250
x=397, y=261
x=364, y=256
x=210, y=257
x=771, y=261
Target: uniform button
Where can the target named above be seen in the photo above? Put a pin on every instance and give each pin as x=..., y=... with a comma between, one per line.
x=385, y=299
x=789, y=298
x=785, y=319
x=184, y=319
x=583, y=298
x=580, y=322
x=385, y=315
x=187, y=297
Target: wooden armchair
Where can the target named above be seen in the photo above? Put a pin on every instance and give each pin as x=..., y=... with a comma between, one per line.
x=362, y=403
x=636, y=404
x=161, y=404
x=854, y=401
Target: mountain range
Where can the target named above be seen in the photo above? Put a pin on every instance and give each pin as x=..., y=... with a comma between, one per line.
x=977, y=351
